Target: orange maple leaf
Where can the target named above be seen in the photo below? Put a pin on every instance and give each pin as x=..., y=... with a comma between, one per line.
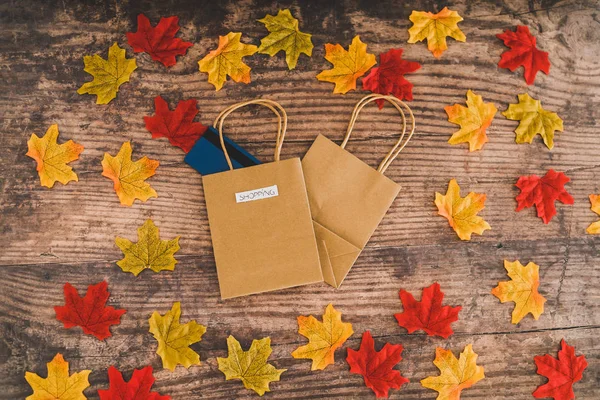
x=227, y=60
x=52, y=158
x=455, y=374
x=435, y=28
x=461, y=212
x=522, y=289
x=348, y=65
x=129, y=176
x=473, y=119
x=323, y=337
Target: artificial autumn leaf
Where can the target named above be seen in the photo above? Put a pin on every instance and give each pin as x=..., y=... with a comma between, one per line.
x=159, y=41
x=89, y=312
x=428, y=314
x=138, y=388
x=543, y=192
x=129, y=176
x=523, y=52
x=562, y=373
x=377, y=367
x=461, y=212
x=435, y=28
x=594, y=228
x=533, y=119
x=348, y=65
x=59, y=385
x=388, y=77
x=323, y=337
x=178, y=126
x=149, y=252
x=455, y=374
x=174, y=338
x=251, y=367
x=52, y=158
x=108, y=74
x=474, y=119
x=227, y=60
x=285, y=35
x=522, y=289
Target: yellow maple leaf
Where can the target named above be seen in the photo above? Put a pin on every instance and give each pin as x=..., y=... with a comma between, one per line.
x=285, y=35
x=251, y=367
x=522, y=289
x=533, y=119
x=52, y=158
x=108, y=74
x=174, y=338
x=461, y=212
x=323, y=337
x=58, y=385
x=455, y=374
x=227, y=60
x=594, y=228
x=435, y=28
x=149, y=252
x=129, y=176
x=348, y=65
x=473, y=120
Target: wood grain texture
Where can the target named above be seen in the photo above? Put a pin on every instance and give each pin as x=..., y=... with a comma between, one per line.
x=67, y=233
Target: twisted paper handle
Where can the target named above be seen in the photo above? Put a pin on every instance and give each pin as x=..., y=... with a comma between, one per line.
x=400, y=144
x=273, y=106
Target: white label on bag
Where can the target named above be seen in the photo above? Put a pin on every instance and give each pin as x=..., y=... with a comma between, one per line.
x=257, y=194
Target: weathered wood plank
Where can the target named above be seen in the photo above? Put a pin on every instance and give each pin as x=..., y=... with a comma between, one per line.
x=65, y=234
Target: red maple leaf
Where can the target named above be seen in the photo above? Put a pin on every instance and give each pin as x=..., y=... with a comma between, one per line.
x=159, y=41
x=178, y=126
x=376, y=367
x=561, y=373
x=543, y=192
x=427, y=314
x=523, y=51
x=89, y=312
x=388, y=77
x=138, y=387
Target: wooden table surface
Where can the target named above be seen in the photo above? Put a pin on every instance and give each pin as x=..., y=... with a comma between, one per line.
x=66, y=234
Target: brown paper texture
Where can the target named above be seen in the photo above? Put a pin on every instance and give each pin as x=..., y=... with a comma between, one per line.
x=263, y=242
x=348, y=199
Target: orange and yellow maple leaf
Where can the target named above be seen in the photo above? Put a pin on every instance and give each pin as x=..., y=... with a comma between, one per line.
x=323, y=337
x=473, y=119
x=522, y=289
x=52, y=158
x=594, y=228
x=461, y=212
x=129, y=176
x=59, y=385
x=455, y=374
x=348, y=65
x=226, y=59
x=435, y=28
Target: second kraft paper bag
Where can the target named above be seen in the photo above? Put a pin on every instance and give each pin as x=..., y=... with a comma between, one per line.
x=348, y=199
x=260, y=222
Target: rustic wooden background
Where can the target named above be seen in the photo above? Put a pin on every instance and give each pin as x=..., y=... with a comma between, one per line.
x=66, y=234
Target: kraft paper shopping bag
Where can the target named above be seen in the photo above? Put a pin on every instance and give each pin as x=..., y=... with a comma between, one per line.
x=348, y=199
x=260, y=222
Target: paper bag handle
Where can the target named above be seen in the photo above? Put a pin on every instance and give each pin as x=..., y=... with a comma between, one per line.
x=270, y=104
x=399, y=146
